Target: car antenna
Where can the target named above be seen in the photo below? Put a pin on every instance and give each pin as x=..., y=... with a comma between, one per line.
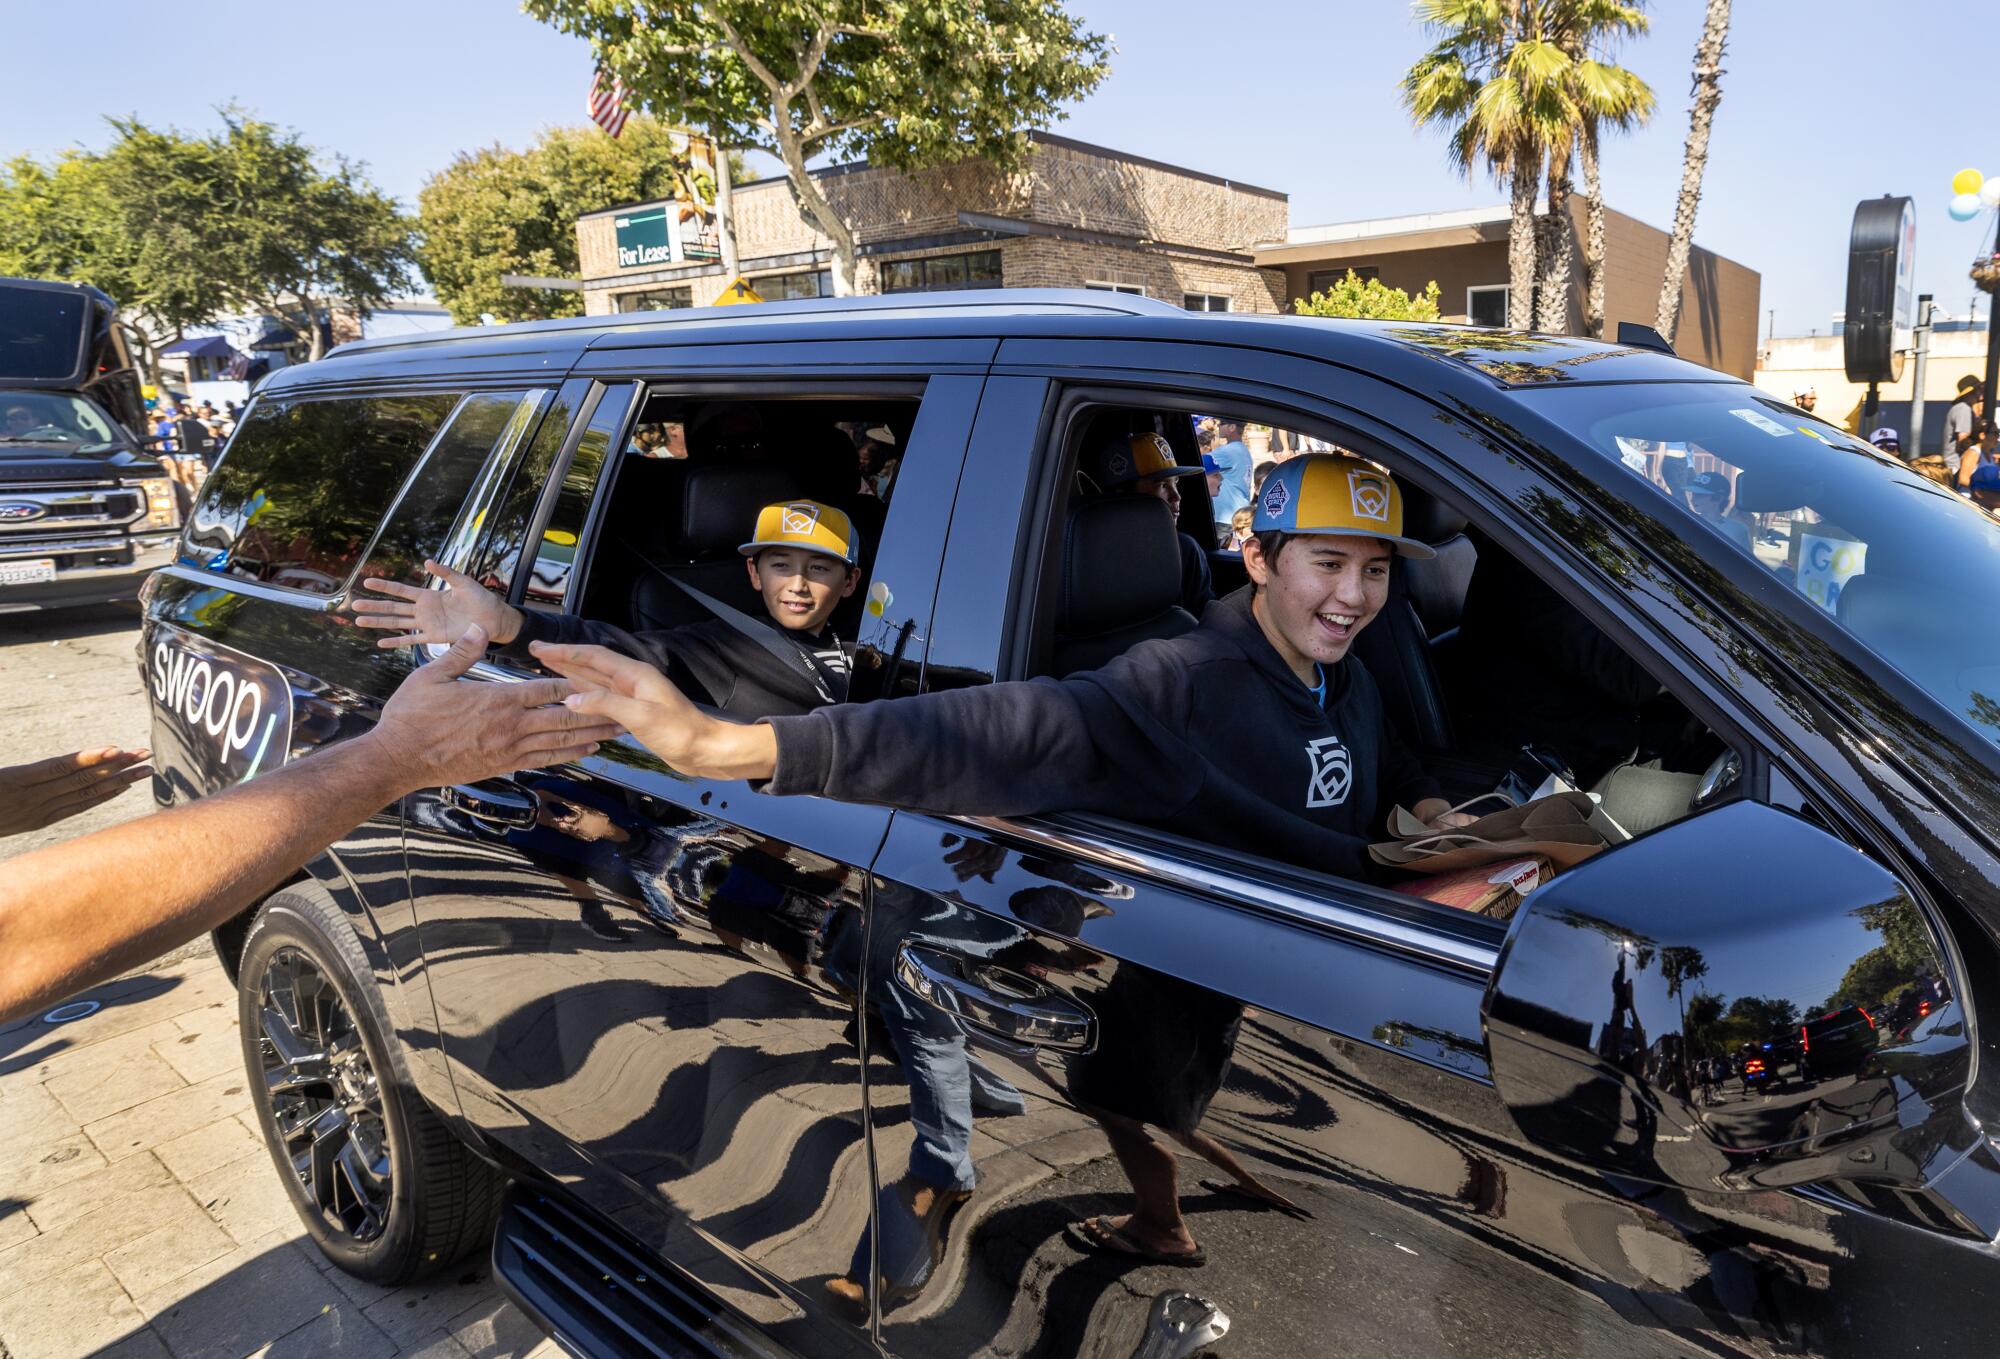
x=1638, y=336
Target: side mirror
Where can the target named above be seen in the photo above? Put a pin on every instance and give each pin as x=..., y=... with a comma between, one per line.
x=1736, y=1002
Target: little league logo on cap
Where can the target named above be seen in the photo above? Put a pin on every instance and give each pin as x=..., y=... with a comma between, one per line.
x=805, y=524
x=1136, y=457
x=1330, y=493
x=1369, y=493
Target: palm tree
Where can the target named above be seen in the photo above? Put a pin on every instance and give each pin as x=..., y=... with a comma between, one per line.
x=1707, y=94
x=1606, y=95
x=1498, y=80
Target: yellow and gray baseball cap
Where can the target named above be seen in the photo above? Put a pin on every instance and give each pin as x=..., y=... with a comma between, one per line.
x=1332, y=493
x=805, y=524
x=1135, y=457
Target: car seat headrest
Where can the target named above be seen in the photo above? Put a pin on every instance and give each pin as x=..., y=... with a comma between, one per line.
x=1766, y=494
x=1121, y=564
x=1428, y=519
x=719, y=507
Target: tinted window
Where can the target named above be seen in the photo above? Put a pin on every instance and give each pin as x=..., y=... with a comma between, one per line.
x=509, y=523
x=549, y=580
x=430, y=506
x=1906, y=567
x=41, y=333
x=304, y=484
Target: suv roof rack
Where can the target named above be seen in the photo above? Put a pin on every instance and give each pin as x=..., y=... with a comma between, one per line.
x=988, y=301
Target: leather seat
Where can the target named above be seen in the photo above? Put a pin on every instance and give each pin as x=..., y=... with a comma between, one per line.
x=1426, y=601
x=718, y=513
x=1121, y=581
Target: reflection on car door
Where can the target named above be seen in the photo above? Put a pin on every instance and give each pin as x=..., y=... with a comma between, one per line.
x=1064, y=1036
x=646, y=986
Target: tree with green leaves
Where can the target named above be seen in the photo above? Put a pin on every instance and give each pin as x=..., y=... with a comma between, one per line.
x=1524, y=87
x=187, y=228
x=1498, y=81
x=1607, y=97
x=1370, y=299
x=903, y=83
x=497, y=211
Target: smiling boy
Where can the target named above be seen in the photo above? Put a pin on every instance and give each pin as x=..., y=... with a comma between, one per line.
x=802, y=559
x=1256, y=731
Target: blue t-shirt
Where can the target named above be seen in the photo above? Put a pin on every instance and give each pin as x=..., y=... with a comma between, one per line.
x=1234, y=460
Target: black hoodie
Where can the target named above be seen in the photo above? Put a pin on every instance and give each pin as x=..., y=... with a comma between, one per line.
x=740, y=676
x=1208, y=734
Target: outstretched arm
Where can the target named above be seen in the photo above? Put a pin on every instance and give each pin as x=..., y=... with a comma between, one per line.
x=75, y=914
x=1104, y=741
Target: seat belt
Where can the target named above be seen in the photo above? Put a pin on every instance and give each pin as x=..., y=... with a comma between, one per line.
x=789, y=654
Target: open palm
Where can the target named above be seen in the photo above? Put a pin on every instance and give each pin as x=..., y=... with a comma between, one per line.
x=422, y=616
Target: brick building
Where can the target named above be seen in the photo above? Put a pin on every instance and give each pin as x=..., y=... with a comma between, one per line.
x=1081, y=216
x=1466, y=253
x=1075, y=216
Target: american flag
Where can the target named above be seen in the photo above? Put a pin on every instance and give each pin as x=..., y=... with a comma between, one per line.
x=607, y=103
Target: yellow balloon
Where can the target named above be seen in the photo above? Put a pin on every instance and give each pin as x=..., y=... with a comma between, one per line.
x=1967, y=181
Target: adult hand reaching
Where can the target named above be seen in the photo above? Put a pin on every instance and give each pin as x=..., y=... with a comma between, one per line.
x=435, y=731
x=640, y=699
x=40, y=794
x=434, y=617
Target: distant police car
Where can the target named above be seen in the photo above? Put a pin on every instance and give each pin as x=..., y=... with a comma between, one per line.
x=718, y=1072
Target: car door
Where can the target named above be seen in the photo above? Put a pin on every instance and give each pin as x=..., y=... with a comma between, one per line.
x=646, y=984
x=1073, y=1019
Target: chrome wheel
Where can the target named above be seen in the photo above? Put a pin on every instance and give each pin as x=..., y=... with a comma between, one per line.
x=324, y=1096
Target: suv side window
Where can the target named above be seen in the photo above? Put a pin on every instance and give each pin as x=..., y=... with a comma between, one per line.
x=1487, y=677
x=304, y=484
x=484, y=432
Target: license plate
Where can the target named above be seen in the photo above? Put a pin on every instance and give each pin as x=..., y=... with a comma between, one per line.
x=37, y=572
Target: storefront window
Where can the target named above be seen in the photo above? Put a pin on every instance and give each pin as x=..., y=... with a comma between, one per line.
x=786, y=287
x=975, y=269
x=659, y=299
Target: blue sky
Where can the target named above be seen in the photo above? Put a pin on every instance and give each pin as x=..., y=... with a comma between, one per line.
x=1825, y=102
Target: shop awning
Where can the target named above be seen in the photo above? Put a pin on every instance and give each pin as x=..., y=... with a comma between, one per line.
x=199, y=347
x=277, y=337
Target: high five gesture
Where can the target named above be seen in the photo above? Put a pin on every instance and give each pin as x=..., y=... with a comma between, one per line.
x=423, y=616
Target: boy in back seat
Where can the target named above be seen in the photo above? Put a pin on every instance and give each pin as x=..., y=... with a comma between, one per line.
x=803, y=558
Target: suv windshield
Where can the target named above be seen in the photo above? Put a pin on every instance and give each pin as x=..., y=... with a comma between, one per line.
x=29, y=420
x=1907, y=567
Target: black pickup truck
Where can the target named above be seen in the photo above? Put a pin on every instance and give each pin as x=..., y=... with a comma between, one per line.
x=86, y=513
x=712, y=1071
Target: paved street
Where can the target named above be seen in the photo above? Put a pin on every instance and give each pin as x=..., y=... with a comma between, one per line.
x=140, y=1214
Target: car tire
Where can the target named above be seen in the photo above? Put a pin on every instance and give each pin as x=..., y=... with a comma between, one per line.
x=383, y=1187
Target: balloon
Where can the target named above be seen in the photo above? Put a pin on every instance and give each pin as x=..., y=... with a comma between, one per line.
x=1967, y=181
x=1965, y=207
x=1990, y=194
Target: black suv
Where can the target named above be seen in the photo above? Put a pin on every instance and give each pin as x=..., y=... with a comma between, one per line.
x=721, y=1072
x=86, y=512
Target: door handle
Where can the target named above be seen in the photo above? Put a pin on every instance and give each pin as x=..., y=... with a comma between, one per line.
x=1017, y=1011
x=497, y=802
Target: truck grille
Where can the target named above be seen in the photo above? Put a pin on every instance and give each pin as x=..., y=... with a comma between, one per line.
x=66, y=506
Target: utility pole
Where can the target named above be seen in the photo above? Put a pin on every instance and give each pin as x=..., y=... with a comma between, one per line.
x=1920, y=346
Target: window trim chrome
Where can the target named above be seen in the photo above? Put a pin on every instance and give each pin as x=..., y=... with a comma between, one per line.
x=1459, y=955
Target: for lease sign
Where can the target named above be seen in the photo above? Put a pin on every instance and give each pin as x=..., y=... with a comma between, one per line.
x=647, y=237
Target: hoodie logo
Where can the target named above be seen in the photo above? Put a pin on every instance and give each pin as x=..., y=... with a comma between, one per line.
x=1370, y=495
x=1332, y=772
x=800, y=519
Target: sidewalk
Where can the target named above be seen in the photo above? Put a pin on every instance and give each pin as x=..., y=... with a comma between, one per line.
x=141, y=1216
